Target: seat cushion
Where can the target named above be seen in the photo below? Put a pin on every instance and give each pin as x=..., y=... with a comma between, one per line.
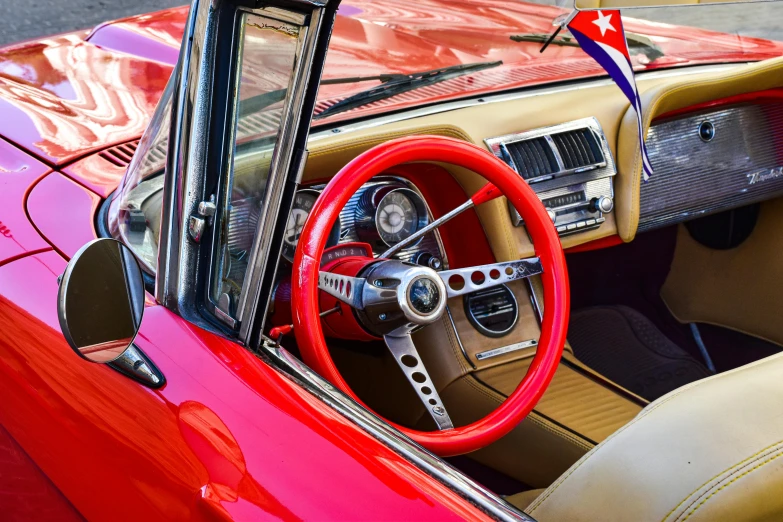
x=524, y=499
x=708, y=451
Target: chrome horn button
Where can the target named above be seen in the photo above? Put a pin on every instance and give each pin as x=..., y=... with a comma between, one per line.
x=423, y=296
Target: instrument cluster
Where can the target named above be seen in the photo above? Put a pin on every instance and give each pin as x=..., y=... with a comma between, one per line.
x=382, y=213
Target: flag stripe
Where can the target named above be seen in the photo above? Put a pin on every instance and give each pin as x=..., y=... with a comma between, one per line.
x=617, y=63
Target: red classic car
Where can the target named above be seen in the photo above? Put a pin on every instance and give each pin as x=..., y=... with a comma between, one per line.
x=388, y=261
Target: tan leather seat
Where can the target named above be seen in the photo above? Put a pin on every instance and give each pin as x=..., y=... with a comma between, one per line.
x=708, y=451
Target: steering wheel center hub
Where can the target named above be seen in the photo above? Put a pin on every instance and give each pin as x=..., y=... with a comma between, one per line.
x=400, y=296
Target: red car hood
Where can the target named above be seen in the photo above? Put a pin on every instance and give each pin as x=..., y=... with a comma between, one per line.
x=66, y=96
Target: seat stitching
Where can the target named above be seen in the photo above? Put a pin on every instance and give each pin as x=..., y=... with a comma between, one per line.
x=648, y=410
x=740, y=465
x=595, y=450
x=754, y=468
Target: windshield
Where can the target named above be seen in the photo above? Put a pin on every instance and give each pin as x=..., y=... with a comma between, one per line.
x=372, y=39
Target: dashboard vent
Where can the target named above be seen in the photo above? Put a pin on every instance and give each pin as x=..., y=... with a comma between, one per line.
x=578, y=149
x=533, y=158
x=120, y=155
x=562, y=155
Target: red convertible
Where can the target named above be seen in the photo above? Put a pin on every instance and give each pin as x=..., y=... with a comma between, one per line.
x=388, y=261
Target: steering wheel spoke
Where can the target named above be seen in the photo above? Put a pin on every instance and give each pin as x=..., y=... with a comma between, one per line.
x=345, y=288
x=404, y=351
x=466, y=280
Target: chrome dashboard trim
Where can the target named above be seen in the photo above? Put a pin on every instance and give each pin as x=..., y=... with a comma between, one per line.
x=506, y=349
x=693, y=177
x=408, y=252
x=483, y=329
x=473, y=492
x=565, y=177
x=498, y=146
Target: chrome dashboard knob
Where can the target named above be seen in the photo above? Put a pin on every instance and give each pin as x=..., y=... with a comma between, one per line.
x=552, y=214
x=603, y=204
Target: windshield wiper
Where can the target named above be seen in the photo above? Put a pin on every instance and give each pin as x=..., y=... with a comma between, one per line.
x=637, y=43
x=261, y=101
x=394, y=84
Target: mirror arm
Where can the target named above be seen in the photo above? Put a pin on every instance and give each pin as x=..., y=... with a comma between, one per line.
x=135, y=364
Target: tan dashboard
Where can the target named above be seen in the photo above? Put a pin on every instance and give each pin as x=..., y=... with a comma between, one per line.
x=507, y=114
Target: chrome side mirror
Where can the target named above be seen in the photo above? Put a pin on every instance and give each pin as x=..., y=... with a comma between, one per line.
x=101, y=300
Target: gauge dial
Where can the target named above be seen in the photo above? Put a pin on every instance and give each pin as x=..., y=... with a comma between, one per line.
x=303, y=204
x=400, y=214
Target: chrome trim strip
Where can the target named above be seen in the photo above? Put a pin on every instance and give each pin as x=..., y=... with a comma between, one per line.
x=175, y=187
x=531, y=92
x=478, y=495
x=506, y=349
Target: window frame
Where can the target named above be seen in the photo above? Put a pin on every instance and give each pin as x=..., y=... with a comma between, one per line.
x=202, y=127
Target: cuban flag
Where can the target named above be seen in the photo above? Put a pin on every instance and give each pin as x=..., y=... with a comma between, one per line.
x=601, y=35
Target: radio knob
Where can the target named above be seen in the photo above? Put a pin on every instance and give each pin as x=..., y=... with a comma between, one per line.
x=552, y=215
x=603, y=204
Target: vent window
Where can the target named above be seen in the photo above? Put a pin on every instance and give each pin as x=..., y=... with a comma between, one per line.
x=578, y=148
x=534, y=158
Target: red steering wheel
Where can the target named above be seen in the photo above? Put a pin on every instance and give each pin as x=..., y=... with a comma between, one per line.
x=411, y=296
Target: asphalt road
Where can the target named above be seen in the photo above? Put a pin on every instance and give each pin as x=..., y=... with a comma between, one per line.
x=22, y=20
x=35, y=18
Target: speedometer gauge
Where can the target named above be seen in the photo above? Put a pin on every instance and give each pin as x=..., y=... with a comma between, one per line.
x=400, y=213
x=303, y=204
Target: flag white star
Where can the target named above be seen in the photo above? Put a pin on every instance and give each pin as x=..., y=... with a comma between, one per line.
x=604, y=23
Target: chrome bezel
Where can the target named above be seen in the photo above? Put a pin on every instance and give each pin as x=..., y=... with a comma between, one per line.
x=336, y=228
x=563, y=176
x=421, y=211
x=483, y=329
x=410, y=307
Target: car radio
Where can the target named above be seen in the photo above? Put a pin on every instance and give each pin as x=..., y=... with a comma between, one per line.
x=569, y=166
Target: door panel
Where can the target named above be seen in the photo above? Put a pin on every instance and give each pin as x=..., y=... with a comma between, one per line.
x=226, y=437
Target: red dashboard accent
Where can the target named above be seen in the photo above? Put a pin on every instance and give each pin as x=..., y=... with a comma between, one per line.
x=598, y=244
x=308, y=330
x=759, y=96
x=442, y=194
